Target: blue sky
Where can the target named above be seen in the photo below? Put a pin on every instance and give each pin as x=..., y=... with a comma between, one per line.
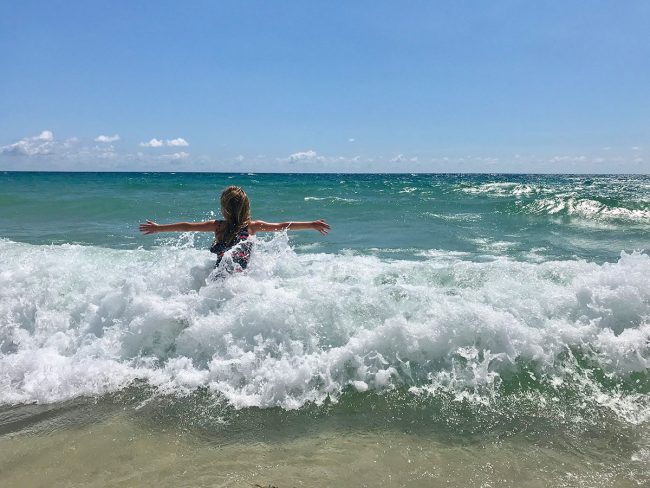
x=359, y=86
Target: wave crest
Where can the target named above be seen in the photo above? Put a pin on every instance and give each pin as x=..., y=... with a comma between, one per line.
x=587, y=209
x=303, y=328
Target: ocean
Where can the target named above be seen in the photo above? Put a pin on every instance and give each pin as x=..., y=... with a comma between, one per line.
x=451, y=330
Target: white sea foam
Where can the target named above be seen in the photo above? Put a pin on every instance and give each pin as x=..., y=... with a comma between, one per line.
x=460, y=217
x=332, y=199
x=587, y=208
x=78, y=320
x=587, y=201
x=506, y=189
x=489, y=245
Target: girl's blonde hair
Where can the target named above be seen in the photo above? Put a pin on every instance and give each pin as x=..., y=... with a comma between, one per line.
x=236, y=210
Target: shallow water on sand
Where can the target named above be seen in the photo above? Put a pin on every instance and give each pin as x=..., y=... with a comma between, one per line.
x=105, y=443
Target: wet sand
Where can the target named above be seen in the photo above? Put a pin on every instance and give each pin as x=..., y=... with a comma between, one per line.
x=111, y=446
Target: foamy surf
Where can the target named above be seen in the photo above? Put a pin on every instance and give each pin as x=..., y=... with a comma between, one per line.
x=604, y=199
x=305, y=328
x=586, y=208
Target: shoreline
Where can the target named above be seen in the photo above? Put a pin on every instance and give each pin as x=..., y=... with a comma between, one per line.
x=99, y=443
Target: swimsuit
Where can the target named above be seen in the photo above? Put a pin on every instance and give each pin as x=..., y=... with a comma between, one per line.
x=240, y=245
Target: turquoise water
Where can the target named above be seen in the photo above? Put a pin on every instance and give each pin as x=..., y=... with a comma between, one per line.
x=470, y=318
x=563, y=217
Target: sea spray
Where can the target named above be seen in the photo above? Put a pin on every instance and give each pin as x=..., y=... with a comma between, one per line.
x=306, y=328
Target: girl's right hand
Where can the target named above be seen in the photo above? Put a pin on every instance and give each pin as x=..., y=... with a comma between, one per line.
x=149, y=228
x=321, y=226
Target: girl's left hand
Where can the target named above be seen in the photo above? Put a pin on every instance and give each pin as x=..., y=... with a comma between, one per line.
x=149, y=228
x=321, y=226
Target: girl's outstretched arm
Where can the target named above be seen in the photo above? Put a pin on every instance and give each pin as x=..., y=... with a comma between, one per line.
x=261, y=226
x=151, y=227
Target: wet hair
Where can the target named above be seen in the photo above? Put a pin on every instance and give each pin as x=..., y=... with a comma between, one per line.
x=236, y=210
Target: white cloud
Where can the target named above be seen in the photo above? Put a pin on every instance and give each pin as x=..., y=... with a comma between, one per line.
x=153, y=143
x=636, y=148
x=44, y=151
x=305, y=156
x=46, y=135
x=178, y=142
x=40, y=145
x=309, y=160
x=351, y=139
x=113, y=138
x=400, y=158
x=568, y=159
x=178, y=155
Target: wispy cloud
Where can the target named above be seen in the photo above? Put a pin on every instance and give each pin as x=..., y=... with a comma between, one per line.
x=311, y=161
x=305, y=156
x=108, y=139
x=44, y=151
x=400, y=158
x=568, y=159
x=178, y=142
x=40, y=145
x=178, y=155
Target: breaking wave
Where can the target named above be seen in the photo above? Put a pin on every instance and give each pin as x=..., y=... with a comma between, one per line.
x=587, y=209
x=301, y=328
x=607, y=200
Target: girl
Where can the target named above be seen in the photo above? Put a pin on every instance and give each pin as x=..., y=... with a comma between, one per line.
x=234, y=230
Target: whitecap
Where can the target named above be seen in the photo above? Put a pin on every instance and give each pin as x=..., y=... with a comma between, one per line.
x=297, y=328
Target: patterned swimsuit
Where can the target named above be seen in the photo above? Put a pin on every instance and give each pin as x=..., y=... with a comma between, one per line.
x=242, y=248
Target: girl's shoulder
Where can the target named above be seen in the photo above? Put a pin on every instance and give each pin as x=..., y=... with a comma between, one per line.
x=254, y=226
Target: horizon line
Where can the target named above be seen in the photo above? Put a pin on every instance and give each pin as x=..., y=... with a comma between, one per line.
x=251, y=173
